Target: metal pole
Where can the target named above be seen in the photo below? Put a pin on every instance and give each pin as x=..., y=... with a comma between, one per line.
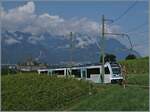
x=71, y=52
x=8, y=69
x=103, y=54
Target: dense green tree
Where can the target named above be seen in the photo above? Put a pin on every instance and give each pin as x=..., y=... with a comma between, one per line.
x=108, y=58
x=130, y=56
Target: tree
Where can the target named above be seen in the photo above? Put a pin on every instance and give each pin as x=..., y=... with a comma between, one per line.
x=130, y=56
x=108, y=58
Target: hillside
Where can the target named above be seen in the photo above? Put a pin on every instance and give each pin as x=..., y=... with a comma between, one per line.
x=30, y=91
x=41, y=92
x=139, y=65
x=115, y=98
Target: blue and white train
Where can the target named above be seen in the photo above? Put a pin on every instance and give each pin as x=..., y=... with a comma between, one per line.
x=90, y=72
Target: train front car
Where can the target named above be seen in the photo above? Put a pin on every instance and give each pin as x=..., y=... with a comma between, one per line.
x=115, y=72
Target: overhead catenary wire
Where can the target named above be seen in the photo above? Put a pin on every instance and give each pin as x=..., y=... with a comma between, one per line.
x=125, y=12
x=118, y=50
x=137, y=28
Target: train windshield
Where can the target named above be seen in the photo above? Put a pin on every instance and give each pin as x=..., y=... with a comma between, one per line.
x=116, y=70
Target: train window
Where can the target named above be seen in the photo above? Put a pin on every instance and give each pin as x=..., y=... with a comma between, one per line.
x=107, y=70
x=44, y=72
x=92, y=71
x=59, y=72
x=76, y=73
x=116, y=70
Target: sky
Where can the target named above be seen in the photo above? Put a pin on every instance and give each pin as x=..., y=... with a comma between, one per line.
x=80, y=16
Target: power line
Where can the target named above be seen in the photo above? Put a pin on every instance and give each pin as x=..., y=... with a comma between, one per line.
x=136, y=28
x=125, y=12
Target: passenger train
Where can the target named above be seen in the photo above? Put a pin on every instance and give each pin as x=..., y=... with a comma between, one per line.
x=90, y=72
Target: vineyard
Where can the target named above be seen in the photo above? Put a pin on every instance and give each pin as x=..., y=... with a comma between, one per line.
x=41, y=92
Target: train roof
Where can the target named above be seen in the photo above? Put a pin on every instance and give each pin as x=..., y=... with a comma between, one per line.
x=114, y=65
x=68, y=66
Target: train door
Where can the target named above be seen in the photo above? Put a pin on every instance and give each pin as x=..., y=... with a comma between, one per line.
x=93, y=74
x=83, y=73
x=107, y=75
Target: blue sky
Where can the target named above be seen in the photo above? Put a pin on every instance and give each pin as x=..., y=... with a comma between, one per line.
x=93, y=12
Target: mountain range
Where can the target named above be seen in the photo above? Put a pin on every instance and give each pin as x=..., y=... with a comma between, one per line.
x=18, y=46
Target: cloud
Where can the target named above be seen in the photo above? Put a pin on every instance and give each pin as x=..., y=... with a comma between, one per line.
x=11, y=41
x=84, y=40
x=56, y=25
x=45, y=23
x=34, y=39
x=18, y=18
x=24, y=18
x=111, y=29
x=20, y=38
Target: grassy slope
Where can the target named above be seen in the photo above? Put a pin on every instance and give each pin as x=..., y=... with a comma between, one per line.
x=25, y=92
x=40, y=92
x=115, y=98
x=137, y=66
x=34, y=92
x=138, y=79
